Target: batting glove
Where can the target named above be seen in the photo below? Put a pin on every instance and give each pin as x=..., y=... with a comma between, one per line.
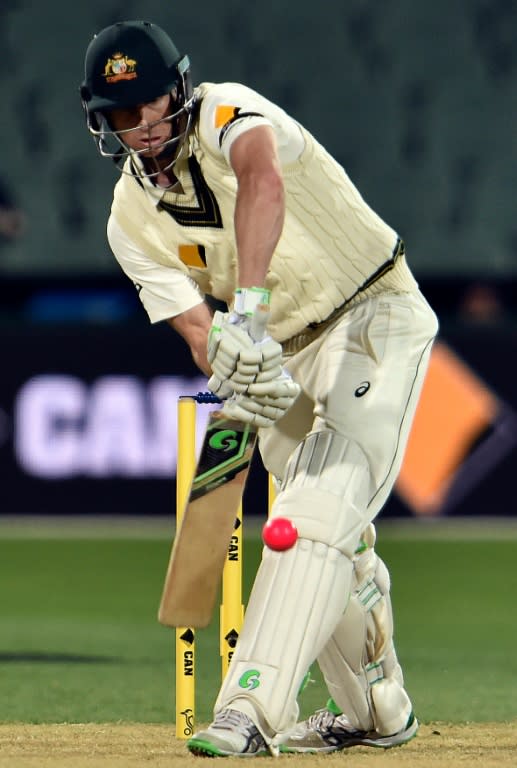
x=270, y=402
x=238, y=351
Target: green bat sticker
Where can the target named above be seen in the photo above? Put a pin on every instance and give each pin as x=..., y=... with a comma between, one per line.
x=227, y=449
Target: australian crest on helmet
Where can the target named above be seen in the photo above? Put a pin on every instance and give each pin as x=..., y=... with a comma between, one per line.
x=120, y=67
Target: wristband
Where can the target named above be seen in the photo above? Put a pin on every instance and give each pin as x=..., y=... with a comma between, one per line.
x=246, y=300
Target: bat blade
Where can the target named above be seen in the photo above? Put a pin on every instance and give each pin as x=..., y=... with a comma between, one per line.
x=199, y=550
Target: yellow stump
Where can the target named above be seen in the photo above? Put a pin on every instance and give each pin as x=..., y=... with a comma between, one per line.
x=232, y=608
x=185, y=636
x=271, y=492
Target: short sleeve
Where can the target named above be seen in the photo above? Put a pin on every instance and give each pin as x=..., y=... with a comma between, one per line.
x=230, y=109
x=164, y=291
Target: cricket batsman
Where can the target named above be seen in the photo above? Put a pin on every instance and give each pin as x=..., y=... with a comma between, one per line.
x=222, y=194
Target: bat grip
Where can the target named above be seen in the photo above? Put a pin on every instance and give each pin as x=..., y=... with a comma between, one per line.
x=259, y=321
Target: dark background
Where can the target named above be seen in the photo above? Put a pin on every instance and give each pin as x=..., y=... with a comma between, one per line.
x=418, y=101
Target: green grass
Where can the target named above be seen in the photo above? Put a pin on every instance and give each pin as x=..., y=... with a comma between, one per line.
x=79, y=639
x=456, y=630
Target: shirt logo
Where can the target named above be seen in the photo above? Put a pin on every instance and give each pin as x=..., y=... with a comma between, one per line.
x=362, y=389
x=224, y=113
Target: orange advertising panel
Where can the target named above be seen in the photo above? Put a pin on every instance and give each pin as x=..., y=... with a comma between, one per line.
x=455, y=409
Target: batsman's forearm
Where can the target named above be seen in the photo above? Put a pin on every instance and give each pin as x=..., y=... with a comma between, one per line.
x=259, y=220
x=194, y=326
x=201, y=360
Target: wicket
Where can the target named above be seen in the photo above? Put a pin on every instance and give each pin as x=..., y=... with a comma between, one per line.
x=231, y=608
x=185, y=636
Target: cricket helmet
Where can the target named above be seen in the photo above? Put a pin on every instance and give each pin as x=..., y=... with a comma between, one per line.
x=131, y=63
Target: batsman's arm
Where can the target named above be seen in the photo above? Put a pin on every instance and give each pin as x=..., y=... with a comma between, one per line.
x=193, y=326
x=260, y=205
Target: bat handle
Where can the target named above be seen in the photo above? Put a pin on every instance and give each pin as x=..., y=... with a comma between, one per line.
x=206, y=398
x=259, y=321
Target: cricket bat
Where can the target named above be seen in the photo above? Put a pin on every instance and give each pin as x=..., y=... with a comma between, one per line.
x=201, y=543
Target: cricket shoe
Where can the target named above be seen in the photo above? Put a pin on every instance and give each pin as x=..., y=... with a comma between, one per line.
x=232, y=734
x=325, y=731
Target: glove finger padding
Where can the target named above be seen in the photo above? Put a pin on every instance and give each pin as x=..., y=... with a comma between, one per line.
x=282, y=386
x=251, y=358
x=265, y=383
x=273, y=412
x=225, y=343
x=242, y=408
x=235, y=344
x=232, y=352
x=220, y=387
x=237, y=333
x=269, y=375
x=271, y=352
x=242, y=357
x=282, y=403
x=224, y=366
x=265, y=409
x=265, y=354
x=252, y=367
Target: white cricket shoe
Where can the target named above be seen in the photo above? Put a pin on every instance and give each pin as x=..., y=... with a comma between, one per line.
x=232, y=734
x=325, y=731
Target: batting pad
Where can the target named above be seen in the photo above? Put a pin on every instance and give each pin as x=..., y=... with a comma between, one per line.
x=325, y=491
x=297, y=600
x=359, y=663
x=300, y=594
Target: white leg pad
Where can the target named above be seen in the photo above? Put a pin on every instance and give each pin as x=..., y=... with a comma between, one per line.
x=299, y=595
x=359, y=663
x=325, y=491
x=297, y=599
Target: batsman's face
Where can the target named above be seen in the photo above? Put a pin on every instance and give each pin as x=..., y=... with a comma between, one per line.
x=143, y=127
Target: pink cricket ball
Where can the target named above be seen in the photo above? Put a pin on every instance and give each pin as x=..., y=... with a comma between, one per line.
x=279, y=533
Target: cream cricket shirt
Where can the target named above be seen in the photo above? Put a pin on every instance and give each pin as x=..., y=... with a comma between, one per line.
x=178, y=247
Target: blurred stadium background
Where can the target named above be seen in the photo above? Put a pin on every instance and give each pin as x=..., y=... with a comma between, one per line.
x=419, y=103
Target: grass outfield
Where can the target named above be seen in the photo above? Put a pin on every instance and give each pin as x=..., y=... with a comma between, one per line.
x=80, y=643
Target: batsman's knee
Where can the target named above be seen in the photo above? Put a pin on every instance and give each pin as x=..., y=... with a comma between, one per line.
x=325, y=491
